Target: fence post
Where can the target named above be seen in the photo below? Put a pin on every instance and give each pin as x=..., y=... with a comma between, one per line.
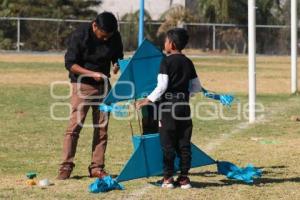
x=18, y=34
x=214, y=37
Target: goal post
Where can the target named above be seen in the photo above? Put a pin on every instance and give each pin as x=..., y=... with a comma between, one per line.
x=252, y=59
x=294, y=46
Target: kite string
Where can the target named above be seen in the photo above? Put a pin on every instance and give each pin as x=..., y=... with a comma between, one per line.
x=130, y=123
x=138, y=115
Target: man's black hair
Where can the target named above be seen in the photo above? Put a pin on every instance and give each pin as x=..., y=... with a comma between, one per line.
x=107, y=22
x=179, y=37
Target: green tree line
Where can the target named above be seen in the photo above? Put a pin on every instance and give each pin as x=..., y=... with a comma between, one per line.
x=41, y=35
x=38, y=35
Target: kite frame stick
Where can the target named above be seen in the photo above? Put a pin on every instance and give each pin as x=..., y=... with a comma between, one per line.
x=130, y=124
x=139, y=120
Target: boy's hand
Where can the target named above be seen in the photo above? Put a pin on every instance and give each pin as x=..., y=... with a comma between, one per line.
x=204, y=90
x=115, y=68
x=141, y=103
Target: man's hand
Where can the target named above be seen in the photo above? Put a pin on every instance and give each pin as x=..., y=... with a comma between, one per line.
x=139, y=104
x=82, y=71
x=98, y=76
x=115, y=68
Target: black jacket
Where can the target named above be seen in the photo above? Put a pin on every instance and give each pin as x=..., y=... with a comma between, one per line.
x=87, y=51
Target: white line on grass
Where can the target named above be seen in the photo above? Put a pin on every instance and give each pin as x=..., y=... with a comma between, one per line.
x=225, y=136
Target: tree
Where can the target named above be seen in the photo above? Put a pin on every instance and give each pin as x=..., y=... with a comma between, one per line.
x=74, y=9
x=269, y=12
x=130, y=29
x=220, y=11
x=41, y=35
x=235, y=11
x=176, y=16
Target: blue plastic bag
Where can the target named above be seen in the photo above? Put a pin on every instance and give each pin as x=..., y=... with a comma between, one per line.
x=104, y=185
x=224, y=99
x=232, y=171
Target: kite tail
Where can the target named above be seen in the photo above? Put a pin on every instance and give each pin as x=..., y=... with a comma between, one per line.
x=104, y=185
x=232, y=171
x=117, y=110
x=224, y=99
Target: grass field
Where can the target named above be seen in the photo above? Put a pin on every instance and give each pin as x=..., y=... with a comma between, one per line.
x=32, y=141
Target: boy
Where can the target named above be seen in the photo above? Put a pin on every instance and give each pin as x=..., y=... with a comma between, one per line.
x=91, y=50
x=177, y=80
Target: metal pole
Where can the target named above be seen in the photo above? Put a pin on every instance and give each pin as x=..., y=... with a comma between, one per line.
x=141, y=22
x=18, y=34
x=252, y=59
x=294, y=44
x=214, y=38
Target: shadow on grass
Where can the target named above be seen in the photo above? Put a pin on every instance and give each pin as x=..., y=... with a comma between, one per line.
x=262, y=181
x=273, y=167
x=270, y=169
x=205, y=174
x=214, y=173
x=203, y=184
x=276, y=180
x=76, y=177
x=79, y=177
x=257, y=182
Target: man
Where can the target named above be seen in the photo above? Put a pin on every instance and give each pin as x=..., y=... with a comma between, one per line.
x=92, y=49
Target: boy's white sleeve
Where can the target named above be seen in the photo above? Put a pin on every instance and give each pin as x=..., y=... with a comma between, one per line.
x=195, y=86
x=162, y=86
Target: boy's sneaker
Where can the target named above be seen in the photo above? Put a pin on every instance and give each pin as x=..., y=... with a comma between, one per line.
x=167, y=183
x=184, y=182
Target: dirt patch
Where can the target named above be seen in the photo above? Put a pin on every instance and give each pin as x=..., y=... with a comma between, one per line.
x=44, y=78
x=237, y=82
x=27, y=58
x=227, y=74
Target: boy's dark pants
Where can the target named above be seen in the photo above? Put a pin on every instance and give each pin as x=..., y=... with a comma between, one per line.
x=175, y=138
x=85, y=96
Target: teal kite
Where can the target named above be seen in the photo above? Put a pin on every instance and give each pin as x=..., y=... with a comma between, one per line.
x=138, y=79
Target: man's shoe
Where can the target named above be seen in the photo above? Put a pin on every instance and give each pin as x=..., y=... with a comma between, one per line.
x=65, y=171
x=98, y=173
x=168, y=183
x=184, y=182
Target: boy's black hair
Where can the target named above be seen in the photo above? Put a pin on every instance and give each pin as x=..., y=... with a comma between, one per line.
x=179, y=36
x=107, y=22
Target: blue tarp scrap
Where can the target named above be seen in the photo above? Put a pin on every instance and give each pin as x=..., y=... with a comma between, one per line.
x=232, y=171
x=104, y=185
x=224, y=99
x=117, y=110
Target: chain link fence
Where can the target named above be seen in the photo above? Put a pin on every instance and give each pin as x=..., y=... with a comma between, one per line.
x=39, y=34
